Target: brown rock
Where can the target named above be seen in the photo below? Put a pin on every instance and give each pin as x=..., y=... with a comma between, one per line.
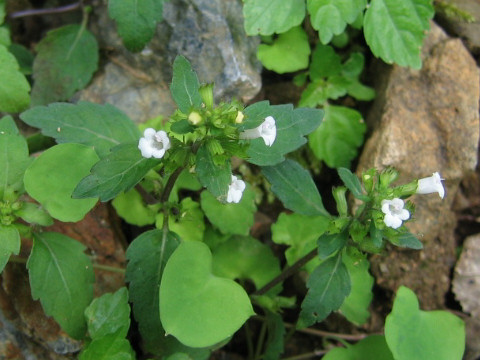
x=424, y=121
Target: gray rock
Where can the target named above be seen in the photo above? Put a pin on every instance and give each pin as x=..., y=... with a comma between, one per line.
x=207, y=32
x=425, y=121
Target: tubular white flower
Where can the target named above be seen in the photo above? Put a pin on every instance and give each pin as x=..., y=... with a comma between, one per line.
x=431, y=184
x=394, y=212
x=267, y=131
x=235, y=190
x=154, y=143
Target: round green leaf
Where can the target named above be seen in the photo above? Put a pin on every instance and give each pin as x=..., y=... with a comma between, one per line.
x=196, y=307
x=53, y=176
x=371, y=348
x=413, y=334
x=131, y=207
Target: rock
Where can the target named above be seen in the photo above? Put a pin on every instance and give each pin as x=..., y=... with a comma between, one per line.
x=425, y=121
x=23, y=324
x=208, y=33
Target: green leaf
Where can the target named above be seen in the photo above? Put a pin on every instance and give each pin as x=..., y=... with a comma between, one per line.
x=371, y=348
x=352, y=182
x=196, y=307
x=52, y=177
x=307, y=120
x=289, y=52
x=136, y=20
x=185, y=86
x=33, y=214
x=14, y=159
x=320, y=90
x=329, y=244
x=265, y=17
x=406, y=240
x=330, y=17
x=100, y=126
x=189, y=224
x=9, y=243
x=131, y=208
x=62, y=277
x=276, y=332
x=328, y=286
x=300, y=232
x=66, y=60
x=117, y=172
x=325, y=62
x=244, y=257
x=295, y=188
x=186, y=181
x=337, y=139
x=14, y=87
x=2, y=11
x=230, y=218
x=109, y=347
x=109, y=314
x=147, y=256
x=394, y=30
x=414, y=334
x=24, y=58
x=8, y=126
x=5, y=37
x=214, y=177
x=355, y=307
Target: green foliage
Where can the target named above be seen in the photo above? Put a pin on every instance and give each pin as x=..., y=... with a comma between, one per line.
x=352, y=183
x=300, y=232
x=117, y=172
x=330, y=244
x=109, y=347
x=371, y=348
x=185, y=85
x=215, y=177
x=328, y=286
x=295, y=188
x=33, y=214
x=100, y=126
x=394, y=30
x=53, y=176
x=14, y=159
x=196, y=307
x=14, y=88
x=230, y=218
x=265, y=17
x=131, y=208
x=66, y=60
x=24, y=58
x=442, y=333
x=62, y=277
x=136, y=20
x=406, y=240
x=289, y=52
x=9, y=243
x=276, y=333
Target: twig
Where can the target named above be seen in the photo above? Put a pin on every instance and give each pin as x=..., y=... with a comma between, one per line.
x=49, y=11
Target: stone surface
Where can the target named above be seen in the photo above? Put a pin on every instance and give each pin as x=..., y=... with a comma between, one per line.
x=207, y=32
x=424, y=121
x=26, y=331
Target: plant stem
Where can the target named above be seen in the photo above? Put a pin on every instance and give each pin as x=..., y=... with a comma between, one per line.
x=289, y=271
x=248, y=335
x=109, y=268
x=50, y=11
x=309, y=355
x=261, y=340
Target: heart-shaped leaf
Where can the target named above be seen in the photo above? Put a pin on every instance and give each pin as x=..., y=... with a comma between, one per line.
x=196, y=307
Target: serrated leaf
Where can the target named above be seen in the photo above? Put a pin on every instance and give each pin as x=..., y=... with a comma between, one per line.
x=117, y=172
x=328, y=286
x=337, y=139
x=14, y=159
x=413, y=334
x=294, y=186
x=371, y=348
x=394, y=30
x=406, y=240
x=185, y=85
x=9, y=243
x=230, y=218
x=100, y=126
x=300, y=232
x=109, y=347
x=320, y=90
x=66, y=60
x=289, y=52
x=14, y=87
x=325, y=62
x=329, y=244
x=244, y=257
x=215, y=178
x=147, y=256
x=265, y=17
x=276, y=331
x=196, y=307
x=355, y=307
x=136, y=20
x=109, y=314
x=62, y=277
x=53, y=176
x=307, y=120
x=330, y=17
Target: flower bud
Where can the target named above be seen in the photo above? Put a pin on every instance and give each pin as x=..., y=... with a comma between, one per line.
x=194, y=118
x=239, y=118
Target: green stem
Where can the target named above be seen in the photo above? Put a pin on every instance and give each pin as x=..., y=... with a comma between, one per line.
x=109, y=268
x=248, y=335
x=261, y=340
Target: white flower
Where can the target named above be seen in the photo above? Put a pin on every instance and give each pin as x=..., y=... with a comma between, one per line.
x=431, y=184
x=154, y=143
x=394, y=212
x=235, y=190
x=267, y=131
